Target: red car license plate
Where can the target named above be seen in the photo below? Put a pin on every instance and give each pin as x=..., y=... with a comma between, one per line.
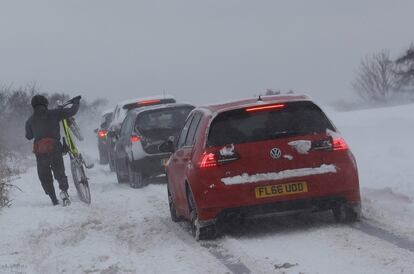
x=279, y=190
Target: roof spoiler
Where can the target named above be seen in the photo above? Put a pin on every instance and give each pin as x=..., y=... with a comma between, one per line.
x=149, y=102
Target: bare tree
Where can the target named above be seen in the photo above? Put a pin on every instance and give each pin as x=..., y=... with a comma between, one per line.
x=405, y=70
x=376, y=79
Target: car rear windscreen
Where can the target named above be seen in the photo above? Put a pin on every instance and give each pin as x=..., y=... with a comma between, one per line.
x=292, y=119
x=106, y=119
x=164, y=118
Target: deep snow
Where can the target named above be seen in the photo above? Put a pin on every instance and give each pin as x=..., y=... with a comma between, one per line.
x=129, y=231
x=382, y=141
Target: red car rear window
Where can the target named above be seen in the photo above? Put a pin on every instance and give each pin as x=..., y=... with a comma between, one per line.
x=293, y=119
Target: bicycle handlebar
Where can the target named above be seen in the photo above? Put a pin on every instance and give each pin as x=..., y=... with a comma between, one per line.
x=71, y=101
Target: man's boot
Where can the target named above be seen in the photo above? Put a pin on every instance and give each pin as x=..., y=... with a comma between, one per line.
x=54, y=199
x=65, y=198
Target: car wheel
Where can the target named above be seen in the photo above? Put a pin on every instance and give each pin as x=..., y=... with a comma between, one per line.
x=121, y=179
x=199, y=232
x=345, y=214
x=103, y=157
x=111, y=162
x=135, y=178
x=173, y=211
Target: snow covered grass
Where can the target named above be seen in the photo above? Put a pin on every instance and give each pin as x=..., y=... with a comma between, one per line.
x=10, y=165
x=382, y=141
x=4, y=193
x=123, y=231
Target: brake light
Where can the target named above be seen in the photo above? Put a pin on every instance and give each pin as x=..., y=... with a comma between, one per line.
x=208, y=160
x=265, y=107
x=135, y=138
x=102, y=133
x=148, y=102
x=339, y=144
x=213, y=160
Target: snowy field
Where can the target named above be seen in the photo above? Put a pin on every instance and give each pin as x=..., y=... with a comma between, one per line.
x=129, y=231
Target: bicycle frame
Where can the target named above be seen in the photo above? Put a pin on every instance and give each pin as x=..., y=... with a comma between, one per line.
x=77, y=162
x=73, y=151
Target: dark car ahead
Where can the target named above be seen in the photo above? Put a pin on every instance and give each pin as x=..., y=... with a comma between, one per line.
x=101, y=134
x=272, y=155
x=137, y=154
x=119, y=114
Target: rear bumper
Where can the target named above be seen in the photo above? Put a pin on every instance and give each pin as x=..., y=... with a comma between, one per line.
x=151, y=165
x=102, y=145
x=289, y=207
x=283, y=209
x=220, y=200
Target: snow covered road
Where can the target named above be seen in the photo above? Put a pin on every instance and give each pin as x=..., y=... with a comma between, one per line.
x=128, y=230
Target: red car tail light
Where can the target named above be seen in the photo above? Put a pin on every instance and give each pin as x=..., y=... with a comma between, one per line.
x=102, y=133
x=331, y=144
x=339, y=144
x=208, y=160
x=264, y=107
x=135, y=138
x=213, y=160
x=148, y=102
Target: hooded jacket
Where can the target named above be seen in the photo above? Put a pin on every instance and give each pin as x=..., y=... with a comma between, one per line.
x=44, y=123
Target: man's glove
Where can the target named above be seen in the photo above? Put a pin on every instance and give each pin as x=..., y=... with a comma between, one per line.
x=76, y=100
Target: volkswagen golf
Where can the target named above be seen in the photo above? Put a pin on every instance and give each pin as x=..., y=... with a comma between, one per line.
x=267, y=155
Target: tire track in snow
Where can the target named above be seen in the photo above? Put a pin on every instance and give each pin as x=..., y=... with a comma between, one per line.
x=366, y=227
x=223, y=255
x=235, y=265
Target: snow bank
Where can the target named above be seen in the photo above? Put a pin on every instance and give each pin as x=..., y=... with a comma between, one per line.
x=381, y=140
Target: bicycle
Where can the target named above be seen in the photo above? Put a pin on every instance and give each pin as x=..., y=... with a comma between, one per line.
x=77, y=163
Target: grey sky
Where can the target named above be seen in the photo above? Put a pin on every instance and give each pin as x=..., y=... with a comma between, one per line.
x=199, y=51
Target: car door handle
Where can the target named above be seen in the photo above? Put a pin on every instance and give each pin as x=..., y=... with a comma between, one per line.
x=185, y=159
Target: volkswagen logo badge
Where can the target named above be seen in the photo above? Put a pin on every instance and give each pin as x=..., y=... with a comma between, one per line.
x=275, y=153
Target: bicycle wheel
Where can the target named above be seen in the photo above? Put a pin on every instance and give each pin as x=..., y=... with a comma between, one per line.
x=75, y=128
x=80, y=180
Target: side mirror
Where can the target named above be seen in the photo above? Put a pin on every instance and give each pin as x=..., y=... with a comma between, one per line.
x=167, y=146
x=96, y=130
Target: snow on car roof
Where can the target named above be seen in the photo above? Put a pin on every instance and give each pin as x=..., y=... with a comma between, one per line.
x=273, y=99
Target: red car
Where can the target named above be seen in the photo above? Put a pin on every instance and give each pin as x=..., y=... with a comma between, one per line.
x=270, y=155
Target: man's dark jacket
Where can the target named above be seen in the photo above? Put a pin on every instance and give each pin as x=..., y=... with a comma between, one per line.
x=44, y=123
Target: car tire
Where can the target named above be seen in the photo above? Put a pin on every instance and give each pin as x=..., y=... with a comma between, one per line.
x=173, y=211
x=135, y=177
x=345, y=214
x=111, y=163
x=120, y=178
x=199, y=232
x=103, y=157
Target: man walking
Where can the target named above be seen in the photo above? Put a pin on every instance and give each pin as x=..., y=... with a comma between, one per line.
x=43, y=126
